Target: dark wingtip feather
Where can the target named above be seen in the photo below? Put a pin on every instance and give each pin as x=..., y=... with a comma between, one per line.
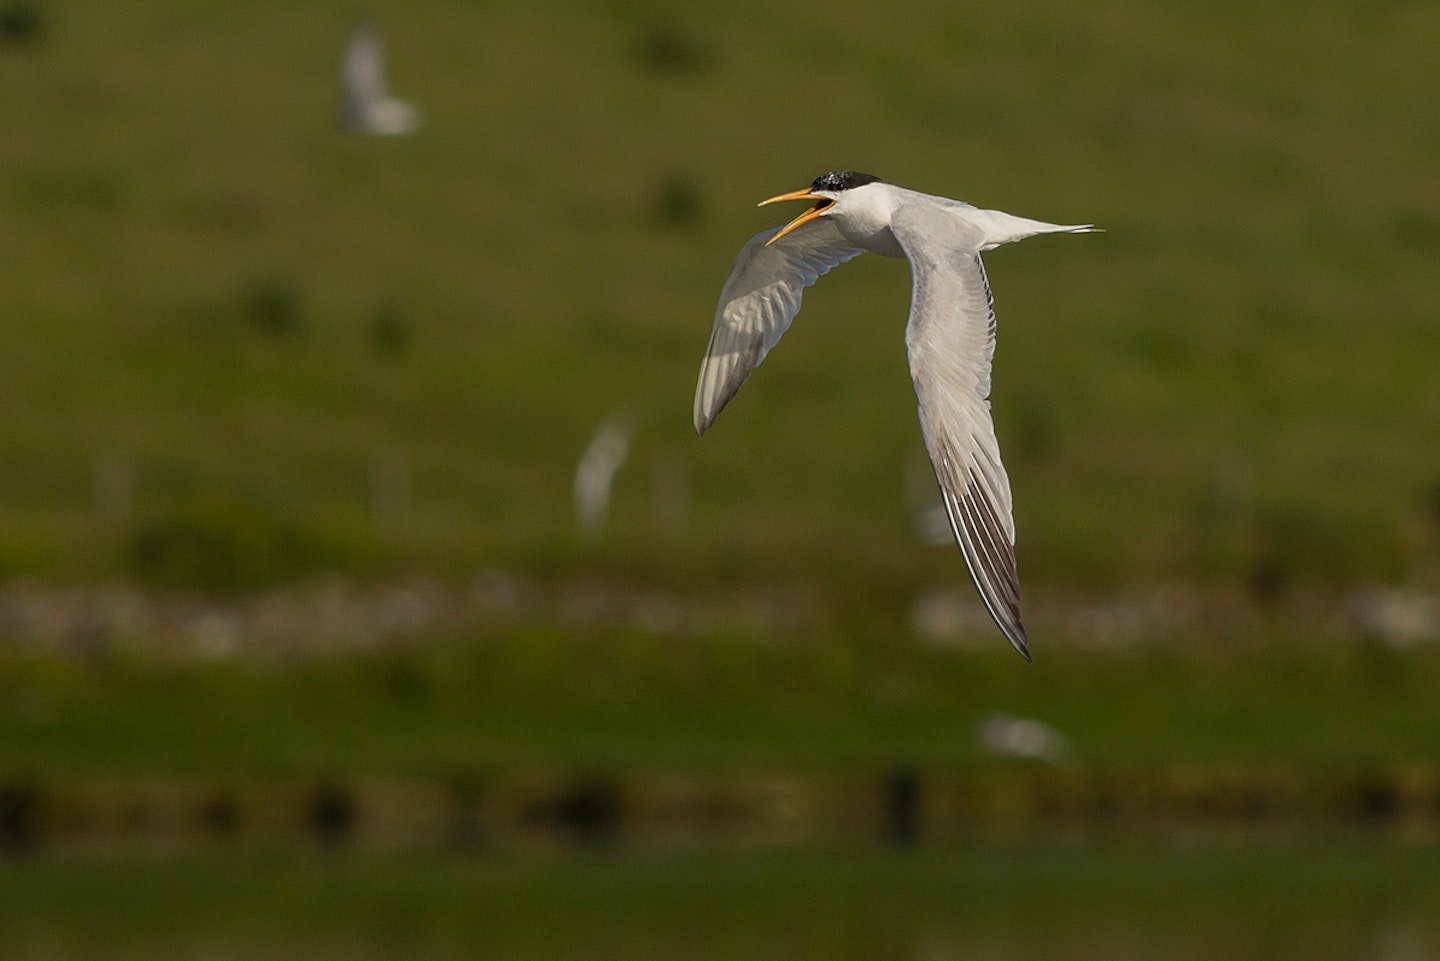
x=1019, y=642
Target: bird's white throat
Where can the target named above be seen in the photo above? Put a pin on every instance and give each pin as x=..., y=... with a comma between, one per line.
x=863, y=216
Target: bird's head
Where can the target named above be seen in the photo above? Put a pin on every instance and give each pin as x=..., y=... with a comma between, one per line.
x=826, y=191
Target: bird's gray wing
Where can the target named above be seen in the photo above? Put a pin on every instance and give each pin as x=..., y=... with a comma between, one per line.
x=364, y=66
x=950, y=338
x=757, y=303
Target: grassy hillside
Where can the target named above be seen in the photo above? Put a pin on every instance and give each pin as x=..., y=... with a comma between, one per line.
x=227, y=323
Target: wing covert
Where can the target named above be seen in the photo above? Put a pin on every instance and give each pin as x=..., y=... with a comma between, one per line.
x=759, y=300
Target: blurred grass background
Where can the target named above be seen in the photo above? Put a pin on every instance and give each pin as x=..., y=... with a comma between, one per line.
x=223, y=312
x=618, y=701
x=1018, y=902
x=246, y=350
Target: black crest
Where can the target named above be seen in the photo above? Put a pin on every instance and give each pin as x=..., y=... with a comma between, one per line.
x=842, y=180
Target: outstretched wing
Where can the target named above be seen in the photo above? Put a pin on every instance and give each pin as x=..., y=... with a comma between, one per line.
x=950, y=338
x=757, y=303
x=363, y=68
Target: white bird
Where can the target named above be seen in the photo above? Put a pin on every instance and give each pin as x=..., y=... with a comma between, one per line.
x=1006, y=735
x=950, y=338
x=596, y=470
x=369, y=107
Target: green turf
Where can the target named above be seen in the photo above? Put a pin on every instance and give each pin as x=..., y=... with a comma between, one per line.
x=1335, y=901
x=214, y=295
x=631, y=702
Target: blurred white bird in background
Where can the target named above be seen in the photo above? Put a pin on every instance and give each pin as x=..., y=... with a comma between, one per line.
x=369, y=107
x=950, y=338
x=1006, y=735
x=595, y=473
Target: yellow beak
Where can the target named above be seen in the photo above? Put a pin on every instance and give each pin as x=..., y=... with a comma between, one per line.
x=822, y=204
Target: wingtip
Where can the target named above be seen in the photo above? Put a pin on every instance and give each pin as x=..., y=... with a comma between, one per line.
x=1020, y=642
x=705, y=416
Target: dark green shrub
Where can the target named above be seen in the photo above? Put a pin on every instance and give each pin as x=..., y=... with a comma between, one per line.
x=220, y=543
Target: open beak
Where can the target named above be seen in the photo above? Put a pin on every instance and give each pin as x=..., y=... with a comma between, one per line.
x=822, y=204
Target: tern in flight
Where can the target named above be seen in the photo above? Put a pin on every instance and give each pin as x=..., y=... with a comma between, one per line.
x=369, y=106
x=950, y=339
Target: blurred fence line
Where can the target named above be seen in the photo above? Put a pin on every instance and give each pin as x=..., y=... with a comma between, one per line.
x=514, y=811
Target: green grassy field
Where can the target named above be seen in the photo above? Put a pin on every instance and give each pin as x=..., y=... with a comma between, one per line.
x=242, y=347
x=227, y=321
x=638, y=702
x=221, y=312
x=1338, y=902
